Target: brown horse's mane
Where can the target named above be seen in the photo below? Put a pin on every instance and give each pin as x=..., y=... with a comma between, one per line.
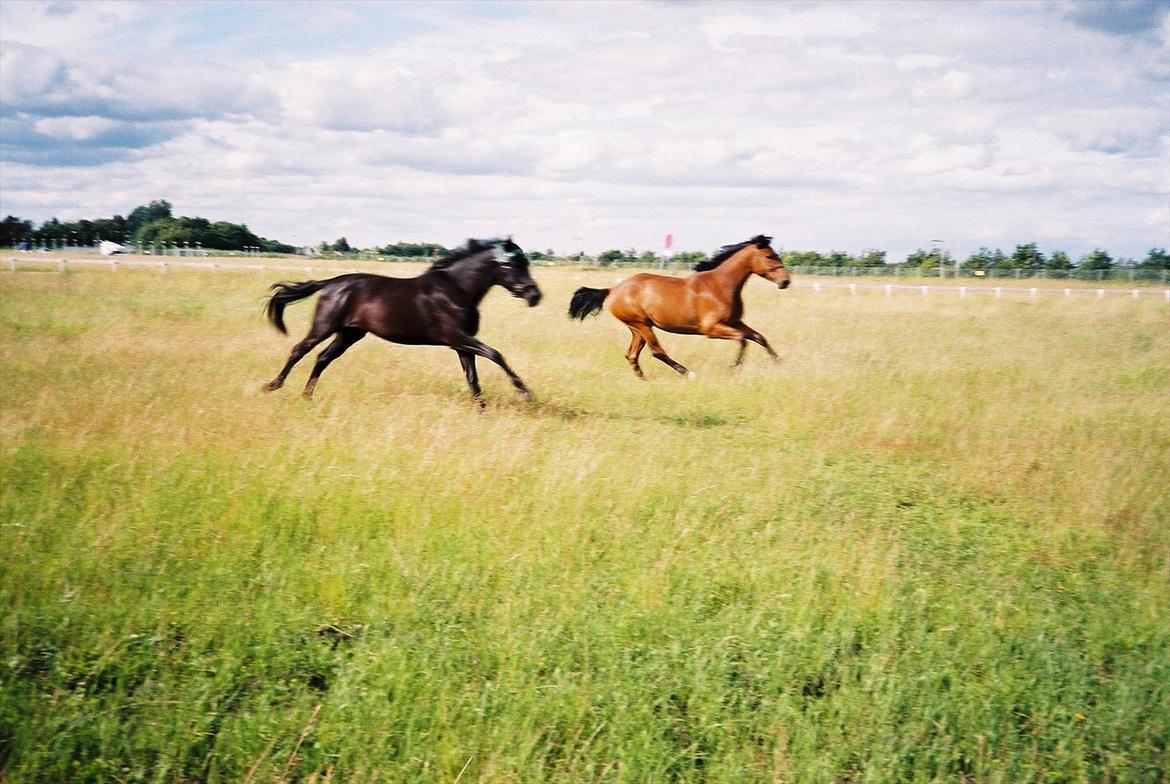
x=727, y=251
x=469, y=248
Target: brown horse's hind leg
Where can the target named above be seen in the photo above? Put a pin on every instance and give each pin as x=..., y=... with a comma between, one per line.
x=636, y=345
x=343, y=340
x=647, y=334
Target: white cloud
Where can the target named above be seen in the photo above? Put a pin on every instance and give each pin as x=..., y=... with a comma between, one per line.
x=833, y=125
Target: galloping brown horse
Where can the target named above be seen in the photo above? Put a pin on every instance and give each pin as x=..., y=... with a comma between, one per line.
x=707, y=303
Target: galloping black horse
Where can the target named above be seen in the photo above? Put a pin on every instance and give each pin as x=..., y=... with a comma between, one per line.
x=438, y=308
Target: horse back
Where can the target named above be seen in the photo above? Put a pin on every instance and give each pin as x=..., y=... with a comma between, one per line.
x=662, y=301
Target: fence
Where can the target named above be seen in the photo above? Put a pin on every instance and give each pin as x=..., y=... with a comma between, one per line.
x=1116, y=274
x=114, y=263
x=998, y=292
x=1122, y=274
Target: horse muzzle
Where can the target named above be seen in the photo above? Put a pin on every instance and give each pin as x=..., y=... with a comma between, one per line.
x=784, y=283
x=531, y=295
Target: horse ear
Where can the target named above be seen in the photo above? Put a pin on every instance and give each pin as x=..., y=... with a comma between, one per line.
x=763, y=241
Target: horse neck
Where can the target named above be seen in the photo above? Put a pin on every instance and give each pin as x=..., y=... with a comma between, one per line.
x=734, y=272
x=473, y=276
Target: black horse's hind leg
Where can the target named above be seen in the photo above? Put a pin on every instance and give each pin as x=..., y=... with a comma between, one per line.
x=327, y=319
x=467, y=359
x=296, y=355
x=470, y=344
x=344, y=339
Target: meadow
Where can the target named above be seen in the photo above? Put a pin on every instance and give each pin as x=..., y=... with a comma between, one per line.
x=931, y=544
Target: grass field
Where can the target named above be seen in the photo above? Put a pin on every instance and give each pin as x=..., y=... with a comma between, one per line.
x=932, y=544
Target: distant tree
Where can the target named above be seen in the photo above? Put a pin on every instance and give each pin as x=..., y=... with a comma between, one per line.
x=927, y=260
x=169, y=231
x=412, y=249
x=274, y=246
x=113, y=229
x=807, y=258
x=872, y=258
x=341, y=245
x=14, y=231
x=985, y=258
x=194, y=232
x=1097, y=260
x=51, y=233
x=648, y=259
x=140, y=216
x=608, y=257
x=1059, y=260
x=1157, y=258
x=1027, y=257
x=839, y=258
x=689, y=258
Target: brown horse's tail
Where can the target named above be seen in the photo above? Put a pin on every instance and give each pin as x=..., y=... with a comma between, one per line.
x=586, y=302
x=286, y=293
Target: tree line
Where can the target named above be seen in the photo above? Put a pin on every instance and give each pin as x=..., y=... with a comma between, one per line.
x=1025, y=257
x=154, y=224
x=149, y=225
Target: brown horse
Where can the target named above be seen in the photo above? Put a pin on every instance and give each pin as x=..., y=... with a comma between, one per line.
x=707, y=303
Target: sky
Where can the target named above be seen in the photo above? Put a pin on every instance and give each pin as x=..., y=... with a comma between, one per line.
x=594, y=125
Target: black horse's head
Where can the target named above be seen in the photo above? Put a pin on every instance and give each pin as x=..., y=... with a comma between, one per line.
x=513, y=271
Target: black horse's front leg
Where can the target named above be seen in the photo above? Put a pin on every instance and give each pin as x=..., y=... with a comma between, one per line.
x=477, y=347
x=467, y=359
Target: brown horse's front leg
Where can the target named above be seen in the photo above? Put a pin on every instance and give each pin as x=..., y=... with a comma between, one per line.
x=756, y=337
x=741, y=332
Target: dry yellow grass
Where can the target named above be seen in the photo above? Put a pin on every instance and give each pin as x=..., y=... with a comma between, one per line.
x=915, y=549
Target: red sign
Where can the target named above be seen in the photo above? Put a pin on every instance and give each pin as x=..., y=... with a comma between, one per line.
x=669, y=241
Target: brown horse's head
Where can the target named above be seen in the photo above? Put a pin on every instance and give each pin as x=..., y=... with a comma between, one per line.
x=766, y=263
x=513, y=271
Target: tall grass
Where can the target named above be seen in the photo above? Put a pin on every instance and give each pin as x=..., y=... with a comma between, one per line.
x=931, y=544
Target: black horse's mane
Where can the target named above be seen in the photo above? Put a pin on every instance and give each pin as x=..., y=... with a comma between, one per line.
x=467, y=249
x=727, y=251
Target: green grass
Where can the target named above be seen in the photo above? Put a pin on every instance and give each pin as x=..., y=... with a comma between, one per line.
x=932, y=544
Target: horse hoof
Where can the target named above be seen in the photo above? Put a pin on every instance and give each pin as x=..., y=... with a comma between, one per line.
x=271, y=386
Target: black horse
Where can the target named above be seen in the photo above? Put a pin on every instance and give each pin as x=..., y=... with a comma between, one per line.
x=438, y=308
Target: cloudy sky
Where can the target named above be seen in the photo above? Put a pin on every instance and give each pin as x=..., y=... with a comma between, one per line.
x=592, y=125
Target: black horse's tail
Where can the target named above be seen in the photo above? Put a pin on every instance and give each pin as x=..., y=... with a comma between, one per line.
x=586, y=302
x=286, y=293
